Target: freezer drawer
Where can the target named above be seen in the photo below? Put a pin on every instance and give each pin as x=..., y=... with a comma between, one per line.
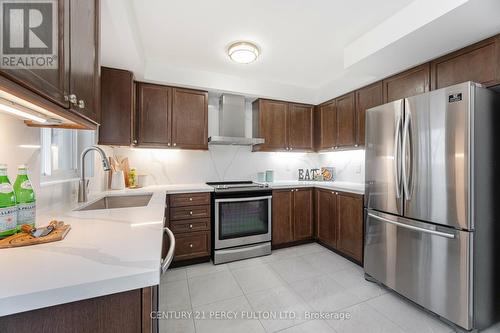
x=423, y=262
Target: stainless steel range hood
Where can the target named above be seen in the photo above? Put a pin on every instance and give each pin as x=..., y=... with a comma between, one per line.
x=232, y=123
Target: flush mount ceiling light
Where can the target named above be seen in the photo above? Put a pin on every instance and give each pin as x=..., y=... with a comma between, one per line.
x=243, y=52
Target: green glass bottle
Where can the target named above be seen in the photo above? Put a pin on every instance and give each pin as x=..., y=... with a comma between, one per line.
x=8, y=208
x=25, y=198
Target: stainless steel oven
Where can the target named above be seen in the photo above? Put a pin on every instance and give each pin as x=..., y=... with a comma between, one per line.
x=242, y=214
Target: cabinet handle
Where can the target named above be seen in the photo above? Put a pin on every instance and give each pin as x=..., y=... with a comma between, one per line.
x=291, y=148
x=190, y=226
x=168, y=144
x=175, y=144
x=191, y=213
x=336, y=193
x=191, y=245
x=190, y=199
x=355, y=145
x=71, y=98
x=81, y=104
x=134, y=142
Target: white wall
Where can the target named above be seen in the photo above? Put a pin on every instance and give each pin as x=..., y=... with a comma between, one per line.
x=19, y=144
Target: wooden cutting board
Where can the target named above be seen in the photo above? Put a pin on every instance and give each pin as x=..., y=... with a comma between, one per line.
x=24, y=239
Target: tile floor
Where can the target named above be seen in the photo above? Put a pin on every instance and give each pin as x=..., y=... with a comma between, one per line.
x=297, y=280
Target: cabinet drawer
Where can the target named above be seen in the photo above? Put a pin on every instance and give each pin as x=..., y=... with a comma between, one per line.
x=189, y=199
x=188, y=213
x=190, y=225
x=192, y=245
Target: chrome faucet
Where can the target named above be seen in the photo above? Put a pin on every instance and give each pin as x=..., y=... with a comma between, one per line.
x=82, y=186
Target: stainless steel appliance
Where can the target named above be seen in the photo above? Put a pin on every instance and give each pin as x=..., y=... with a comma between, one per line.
x=432, y=185
x=241, y=220
x=232, y=123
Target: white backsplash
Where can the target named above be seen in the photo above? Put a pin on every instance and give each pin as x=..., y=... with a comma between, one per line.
x=349, y=165
x=223, y=163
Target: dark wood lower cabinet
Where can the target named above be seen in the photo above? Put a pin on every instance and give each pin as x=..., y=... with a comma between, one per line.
x=302, y=214
x=292, y=216
x=339, y=222
x=326, y=221
x=126, y=312
x=188, y=216
x=282, y=218
x=350, y=225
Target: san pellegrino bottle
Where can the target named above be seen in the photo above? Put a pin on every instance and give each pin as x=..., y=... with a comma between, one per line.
x=25, y=198
x=8, y=208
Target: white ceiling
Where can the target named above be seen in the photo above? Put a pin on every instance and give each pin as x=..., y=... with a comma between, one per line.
x=311, y=50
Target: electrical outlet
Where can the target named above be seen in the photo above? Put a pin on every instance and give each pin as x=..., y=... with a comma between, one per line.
x=358, y=169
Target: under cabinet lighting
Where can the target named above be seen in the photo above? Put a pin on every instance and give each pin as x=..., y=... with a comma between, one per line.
x=20, y=111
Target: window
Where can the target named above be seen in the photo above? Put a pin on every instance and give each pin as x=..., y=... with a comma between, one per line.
x=60, y=152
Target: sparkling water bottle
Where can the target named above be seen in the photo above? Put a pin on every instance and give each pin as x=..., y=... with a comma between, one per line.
x=25, y=198
x=8, y=208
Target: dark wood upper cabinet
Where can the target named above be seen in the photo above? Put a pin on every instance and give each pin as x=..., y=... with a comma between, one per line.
x=85, y=66
x=326, y=124
x=153, y=115
x=282, y=217
x=74, y=84
x=350, y=225
x=52, y=84
x=190, y=119
x=270, y=123
x=479, y=62
x=346, y=121
x=300, y=134
x=303, y=214
x=366, y=98
x=326, y=217
x=409, y=83
x=117, y=105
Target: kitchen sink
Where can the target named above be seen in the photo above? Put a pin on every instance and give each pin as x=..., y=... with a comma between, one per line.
x=122, y=201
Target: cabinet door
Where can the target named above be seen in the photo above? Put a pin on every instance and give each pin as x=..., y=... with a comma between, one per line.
x=300, y=131
x=478, y=63
x=153, y=115
x=327, y=126
x=190, y=119
x=117, y=107
x=303, y=214
x=52, y=84
x=410, y=83
x=84, y=68
x=366, y=98
x=346, y=121
x=350, y=225
x=282, y=223
x=271, y=124
x=326, y=205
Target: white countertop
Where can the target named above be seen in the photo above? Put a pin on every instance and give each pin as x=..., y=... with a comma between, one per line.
x=105, y=252
x=356, y=188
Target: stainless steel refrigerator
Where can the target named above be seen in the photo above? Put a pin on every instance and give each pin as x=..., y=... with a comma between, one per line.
x=432, y=228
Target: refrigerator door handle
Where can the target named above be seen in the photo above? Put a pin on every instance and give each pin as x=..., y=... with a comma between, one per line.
x=397, y=157
x=411, y=227
x=406, y=137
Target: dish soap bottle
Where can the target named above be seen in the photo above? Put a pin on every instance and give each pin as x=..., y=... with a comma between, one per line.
x=25, y=197
x=8, y=208
x=132, y=178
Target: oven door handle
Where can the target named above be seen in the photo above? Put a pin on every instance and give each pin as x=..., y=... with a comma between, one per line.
x=244, y=199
